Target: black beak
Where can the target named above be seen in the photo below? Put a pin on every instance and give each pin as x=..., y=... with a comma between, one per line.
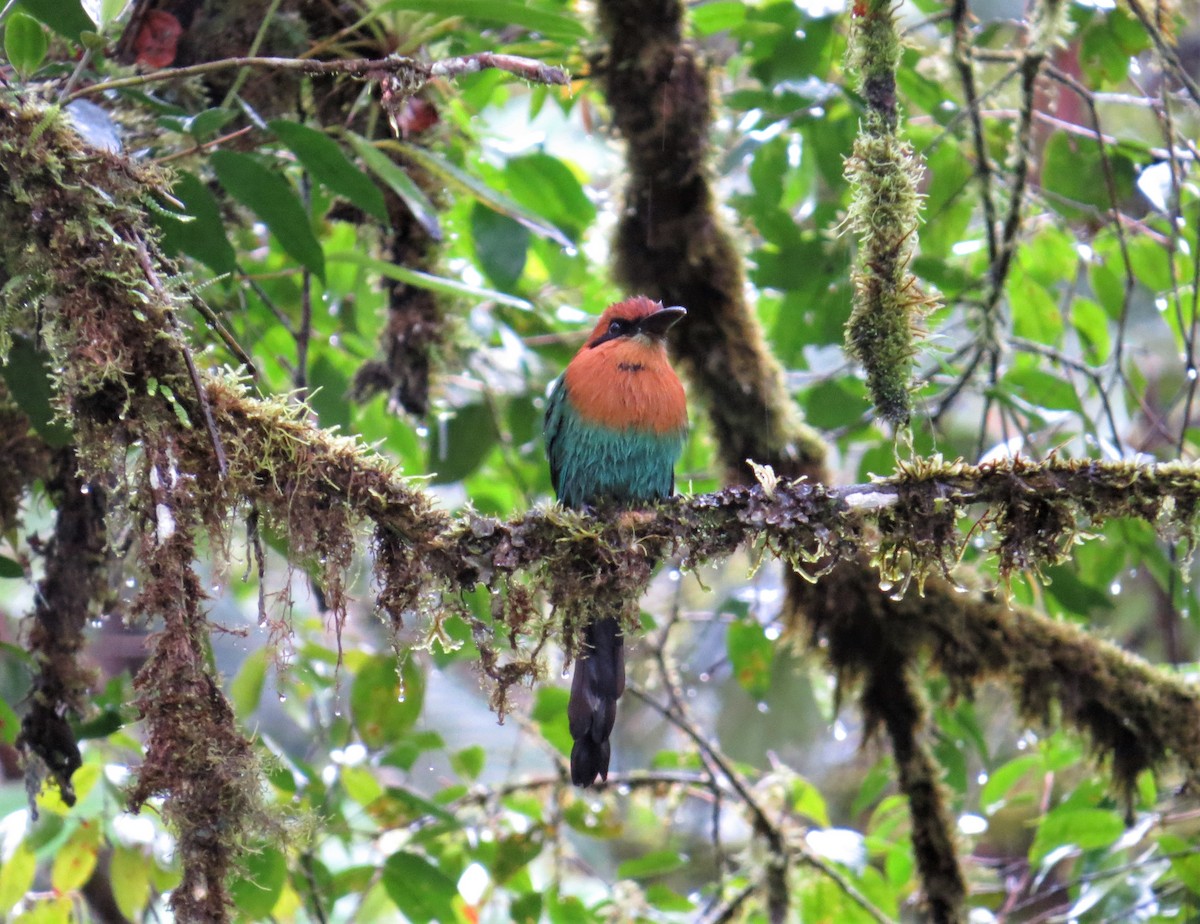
x=661, y=321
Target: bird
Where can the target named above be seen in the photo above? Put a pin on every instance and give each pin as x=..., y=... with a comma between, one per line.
x=616, y=422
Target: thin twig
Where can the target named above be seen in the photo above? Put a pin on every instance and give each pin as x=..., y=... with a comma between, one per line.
x=201, y=393
x=362, y=68
x=226, y=336
x=1166, y=50
x=959, y=12
x=763, y=825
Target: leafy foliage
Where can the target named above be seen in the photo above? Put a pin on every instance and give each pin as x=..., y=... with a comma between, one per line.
x=327, y=259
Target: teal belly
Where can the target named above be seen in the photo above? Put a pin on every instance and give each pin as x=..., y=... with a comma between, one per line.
x=597, y=464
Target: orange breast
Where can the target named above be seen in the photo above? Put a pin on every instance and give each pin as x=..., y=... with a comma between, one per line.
x=627, y=384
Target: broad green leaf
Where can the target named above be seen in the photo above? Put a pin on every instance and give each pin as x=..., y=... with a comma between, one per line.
x=327, y=162
x=104, y=13
x=502, y=12
x=66, y=17
x=245, y=690
x=1091, y=323
x=460, y=441
x=997, y=791
x=717, y=16
x=807, y=801
x=421, y=891
x=27, y=374
x=550, y=712
x=501, y=245
x=1073, y=176
x=468, y=763
x=750, y=654
x=10, y=727
x=269, y=196
x=1067, y=825
x=664, y=898
x=547, y=187
x=259, y=882
x=428, y=281
x=130, y=877
x=466, y=183
x=1042, y=389
x=1185, y=861
x=400, y=182
x=361, y=785
x=75, y=860
x=16, y=877
x=382, y=711
x=199, y=231
x=649, y=865
x=25, y=42
x=10, y=569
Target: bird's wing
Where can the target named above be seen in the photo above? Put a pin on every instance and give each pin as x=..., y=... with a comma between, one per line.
x=552, y=429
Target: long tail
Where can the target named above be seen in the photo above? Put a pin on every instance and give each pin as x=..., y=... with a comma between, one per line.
x=598, y=683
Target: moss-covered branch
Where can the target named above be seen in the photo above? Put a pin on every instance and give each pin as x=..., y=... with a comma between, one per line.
x=77, y=273
x=883, y=173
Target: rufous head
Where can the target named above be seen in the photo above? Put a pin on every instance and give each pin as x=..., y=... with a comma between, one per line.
x=638, y=318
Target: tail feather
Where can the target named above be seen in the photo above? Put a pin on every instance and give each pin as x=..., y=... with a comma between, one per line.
x=598, y=683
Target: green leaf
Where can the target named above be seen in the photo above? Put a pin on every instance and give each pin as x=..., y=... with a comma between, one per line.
x=400, y=182
x=502, y=12
x=421, y=891
x=997, y=791
x=382, y=712
x=198, y=231
x=130, y=877
x=246, y=688
x=25, y=42
x=10, y=569
x=649, y=865
x=1042, y=389
x=204, y=125
x=105, y=12
x=1185, y=861
x=718, y=16
x=468, y=763
x=750, y=654
x=428, y=281
x=548, y=187
x=328, y=163
x=260, y=882
x=10, y=727
x=16, y=877
x=466, y=183
x=550, y=712
x=1073, y=176
x=1069, y=825
x=269, y=196
x=807, y=800
x=501, y=245
x=27, y=374
x=75, y=860
x=460, y=442
x=66, y=17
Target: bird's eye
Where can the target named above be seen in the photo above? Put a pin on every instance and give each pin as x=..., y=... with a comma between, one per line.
x=616, y=328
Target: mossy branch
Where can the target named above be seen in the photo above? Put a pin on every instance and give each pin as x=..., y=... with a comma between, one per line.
x=112, y=337
x=884, y=212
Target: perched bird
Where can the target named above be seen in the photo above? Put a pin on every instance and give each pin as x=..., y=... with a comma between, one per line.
x=615, y=425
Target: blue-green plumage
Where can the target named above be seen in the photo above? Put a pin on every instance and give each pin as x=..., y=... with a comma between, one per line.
x=590, y=463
